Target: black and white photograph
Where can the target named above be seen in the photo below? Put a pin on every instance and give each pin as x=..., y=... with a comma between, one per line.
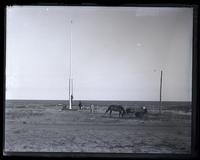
x=97, y=79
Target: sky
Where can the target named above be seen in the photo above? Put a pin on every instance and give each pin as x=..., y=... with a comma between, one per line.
x=117, y=53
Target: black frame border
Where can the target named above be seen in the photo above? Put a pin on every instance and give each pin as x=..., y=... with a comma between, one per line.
x=195, y=82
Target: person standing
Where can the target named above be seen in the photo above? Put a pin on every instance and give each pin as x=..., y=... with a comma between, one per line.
x=80, y=105
x=92, y=108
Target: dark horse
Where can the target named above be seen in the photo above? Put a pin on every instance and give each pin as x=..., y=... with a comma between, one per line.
x=117, y=108
x=130, y=110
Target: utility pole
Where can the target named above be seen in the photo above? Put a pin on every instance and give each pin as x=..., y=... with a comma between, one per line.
x=160, y=105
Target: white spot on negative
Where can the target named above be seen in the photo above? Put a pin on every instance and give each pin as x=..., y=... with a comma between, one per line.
x=138, y=44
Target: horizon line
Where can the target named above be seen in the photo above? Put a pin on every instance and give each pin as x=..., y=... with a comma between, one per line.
x=97, y=100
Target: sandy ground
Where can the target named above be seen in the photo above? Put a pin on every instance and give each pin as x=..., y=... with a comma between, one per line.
x=43, y=129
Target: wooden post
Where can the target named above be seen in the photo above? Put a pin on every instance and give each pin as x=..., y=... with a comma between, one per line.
x=72, y=95
x=70, y=102
x=160, y=105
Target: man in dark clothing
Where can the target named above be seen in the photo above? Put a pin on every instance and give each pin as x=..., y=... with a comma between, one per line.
x=80, y=105
x=72, y=99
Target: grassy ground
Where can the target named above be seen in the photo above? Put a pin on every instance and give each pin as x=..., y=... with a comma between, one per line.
x=40, y=128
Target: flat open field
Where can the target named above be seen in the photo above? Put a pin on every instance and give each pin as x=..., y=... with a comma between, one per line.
x=43, y=127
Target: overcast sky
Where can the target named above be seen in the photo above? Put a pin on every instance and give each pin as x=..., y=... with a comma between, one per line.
x=117, y=53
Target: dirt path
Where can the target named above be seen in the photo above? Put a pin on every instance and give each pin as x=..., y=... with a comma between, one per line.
x=74, y=131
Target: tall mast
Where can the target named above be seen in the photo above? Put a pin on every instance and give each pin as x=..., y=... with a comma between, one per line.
x=70, y=47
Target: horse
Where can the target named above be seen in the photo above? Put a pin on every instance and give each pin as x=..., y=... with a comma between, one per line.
x=117, y=108
x=140, y=114
x=130, y=110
